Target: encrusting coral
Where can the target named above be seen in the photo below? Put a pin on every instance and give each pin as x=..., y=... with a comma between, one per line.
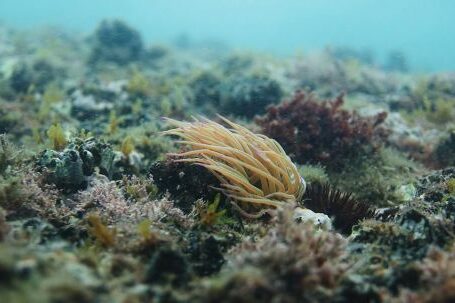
x=253, y=169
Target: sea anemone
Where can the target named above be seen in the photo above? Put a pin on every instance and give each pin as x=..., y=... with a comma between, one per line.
x=253, y=169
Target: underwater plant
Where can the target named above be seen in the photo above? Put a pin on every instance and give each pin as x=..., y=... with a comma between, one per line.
x=57, y=137
x=315, y=131
x=252, y=169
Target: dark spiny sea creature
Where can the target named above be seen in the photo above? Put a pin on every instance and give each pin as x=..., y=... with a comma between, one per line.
x=342, y=207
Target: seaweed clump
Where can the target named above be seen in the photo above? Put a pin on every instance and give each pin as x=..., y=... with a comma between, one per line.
x=315, y=131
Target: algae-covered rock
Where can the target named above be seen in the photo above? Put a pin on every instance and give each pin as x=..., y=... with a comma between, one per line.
x=64, y=169
x=21, y=78
x=96, y=153
x=168, y=266
x=444, y=153
x=392, y=248
x=249, y=95
x=69, y=169
x=206, y=252
x=185, y=183
x=116, y=42
x=205, y=88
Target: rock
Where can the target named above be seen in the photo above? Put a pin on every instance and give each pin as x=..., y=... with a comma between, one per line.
x=70, y=168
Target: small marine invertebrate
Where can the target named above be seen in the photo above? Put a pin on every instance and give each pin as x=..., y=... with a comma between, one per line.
x=346, y=210
x=252, y=169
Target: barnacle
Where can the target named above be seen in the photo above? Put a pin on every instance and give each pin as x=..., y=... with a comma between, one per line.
x=252, y=169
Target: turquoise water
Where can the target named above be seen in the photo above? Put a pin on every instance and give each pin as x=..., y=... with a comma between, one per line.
x=423, y=30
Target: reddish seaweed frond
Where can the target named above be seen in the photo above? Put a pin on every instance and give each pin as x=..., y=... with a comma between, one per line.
x=320, y=131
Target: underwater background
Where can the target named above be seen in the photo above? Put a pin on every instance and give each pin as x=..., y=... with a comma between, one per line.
x=227, y=151
x=422, y=30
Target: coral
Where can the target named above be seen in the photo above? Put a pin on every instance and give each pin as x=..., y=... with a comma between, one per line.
x=248, y=96
x=116, y=42
x=314, y=131
x=253, y=169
